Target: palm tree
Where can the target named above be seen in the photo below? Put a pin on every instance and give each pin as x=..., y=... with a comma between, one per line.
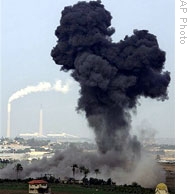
x=74, y=166
x=84, y=170
x=18, y=168
x=81, y=168
x=97, y=171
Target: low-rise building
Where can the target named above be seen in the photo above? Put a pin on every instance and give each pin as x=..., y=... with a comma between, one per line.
x=39, y=187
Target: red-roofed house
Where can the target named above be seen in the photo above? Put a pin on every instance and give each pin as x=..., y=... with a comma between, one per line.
x=38, y=186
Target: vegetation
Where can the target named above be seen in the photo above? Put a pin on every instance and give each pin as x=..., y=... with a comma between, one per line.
x=84, y=170
x=74, y=166
x=73, y=189
x=4, y=162
x=97, y=171
x=92, y=185
x=18, y=168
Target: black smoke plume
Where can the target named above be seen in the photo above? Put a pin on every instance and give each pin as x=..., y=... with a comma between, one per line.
x=112, y=76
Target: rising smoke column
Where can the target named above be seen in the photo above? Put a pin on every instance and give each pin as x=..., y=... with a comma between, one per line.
x=40, y=87
x=112, y=76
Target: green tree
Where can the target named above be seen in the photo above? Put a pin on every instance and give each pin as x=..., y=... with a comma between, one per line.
x=74, y=166
x=81, y=168
x=84, y=170
x=18, y=168
x=97, y=171
x=109, y=181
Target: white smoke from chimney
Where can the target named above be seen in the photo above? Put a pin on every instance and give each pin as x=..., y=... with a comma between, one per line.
x=41, y=123
x=61, y=88
x=8, y=120
x=41, y=87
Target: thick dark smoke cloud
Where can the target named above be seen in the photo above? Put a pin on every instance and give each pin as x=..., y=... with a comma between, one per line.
x=112, y=76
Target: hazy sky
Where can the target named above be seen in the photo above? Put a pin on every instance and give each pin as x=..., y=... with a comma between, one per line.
x=27, y=39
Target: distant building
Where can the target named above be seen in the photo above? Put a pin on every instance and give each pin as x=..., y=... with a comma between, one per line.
x=65, y=135
x=38, y=187
x=29, y=134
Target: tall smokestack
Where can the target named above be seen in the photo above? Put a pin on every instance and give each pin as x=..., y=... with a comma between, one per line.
x=41, y=122
x=9, y=120
x=41, y=87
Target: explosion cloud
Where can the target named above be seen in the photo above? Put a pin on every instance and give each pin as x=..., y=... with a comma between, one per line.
x=112, y=76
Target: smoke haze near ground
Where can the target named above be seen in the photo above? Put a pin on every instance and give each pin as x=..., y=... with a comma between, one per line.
x=119, y=169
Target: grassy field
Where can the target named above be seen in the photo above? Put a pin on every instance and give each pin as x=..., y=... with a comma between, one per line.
x=8, y=187
x=13, y=188
x=22, y=188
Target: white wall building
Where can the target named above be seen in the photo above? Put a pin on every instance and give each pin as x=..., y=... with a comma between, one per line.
x=38, y=186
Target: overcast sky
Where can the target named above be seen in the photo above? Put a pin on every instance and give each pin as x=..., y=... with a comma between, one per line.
x=27, y=39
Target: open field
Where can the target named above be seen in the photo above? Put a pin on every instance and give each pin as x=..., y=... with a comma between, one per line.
x=13, y=188
x=13, y=192
x=22, y=188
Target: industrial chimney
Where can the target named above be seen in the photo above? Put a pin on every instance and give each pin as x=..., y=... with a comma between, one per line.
x=9, y=120
x=41, y=122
